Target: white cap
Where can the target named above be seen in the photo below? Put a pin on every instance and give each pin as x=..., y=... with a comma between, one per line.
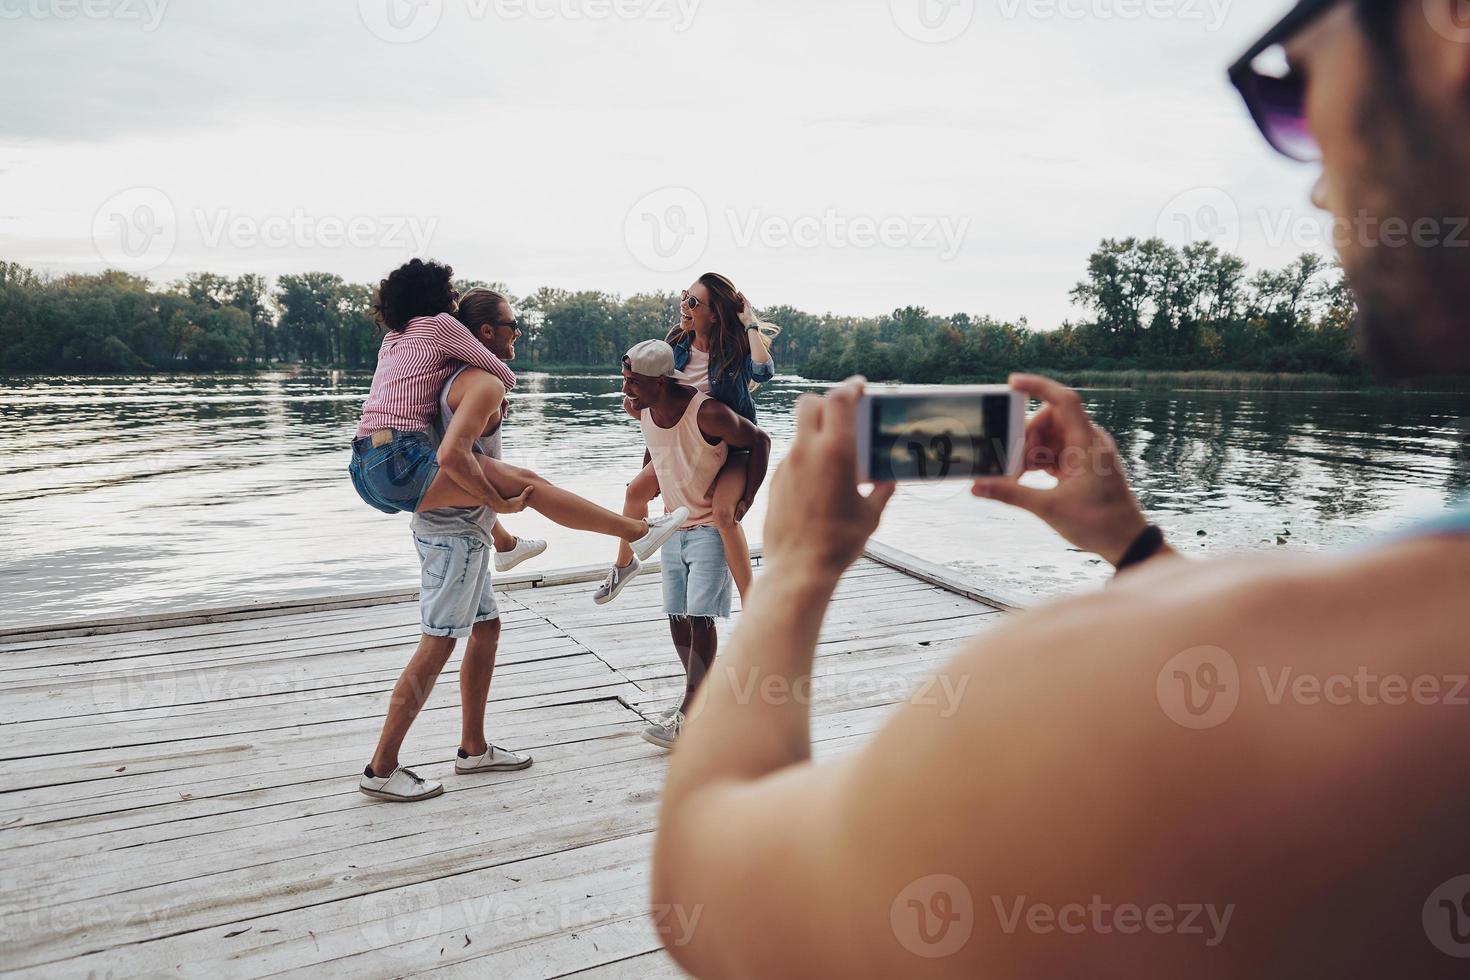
x=652, y=359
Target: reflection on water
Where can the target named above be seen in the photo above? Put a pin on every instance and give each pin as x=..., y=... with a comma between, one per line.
x=124, y=496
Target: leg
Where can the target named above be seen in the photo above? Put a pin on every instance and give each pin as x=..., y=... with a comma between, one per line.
x=566, y=509
x=504, y=540
x=702, y=642
x=639, y=495
x=729, y=488
x=409, y=694
x=474, y=684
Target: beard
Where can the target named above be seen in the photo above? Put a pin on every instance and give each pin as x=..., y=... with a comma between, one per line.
x=1413, y=296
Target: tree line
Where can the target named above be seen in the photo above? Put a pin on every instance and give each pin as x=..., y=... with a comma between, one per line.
x=1149, y=306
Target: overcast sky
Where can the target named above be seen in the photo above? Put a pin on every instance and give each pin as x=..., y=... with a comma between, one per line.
x=838, y=155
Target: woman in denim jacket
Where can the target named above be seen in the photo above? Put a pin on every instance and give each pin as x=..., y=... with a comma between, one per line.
x=722, y=349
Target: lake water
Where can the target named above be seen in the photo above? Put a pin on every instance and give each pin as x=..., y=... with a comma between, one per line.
x=124, y=496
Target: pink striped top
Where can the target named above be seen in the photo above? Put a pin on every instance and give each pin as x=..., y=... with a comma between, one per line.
x=413, y=365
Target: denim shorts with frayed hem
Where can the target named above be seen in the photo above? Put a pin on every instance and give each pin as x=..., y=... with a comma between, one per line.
x=455, y=590
x=395, y=476
x=697, y=578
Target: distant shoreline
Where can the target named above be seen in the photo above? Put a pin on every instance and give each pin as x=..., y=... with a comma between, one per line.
x=1139, y=380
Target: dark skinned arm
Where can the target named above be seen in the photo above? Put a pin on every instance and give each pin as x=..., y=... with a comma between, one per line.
x=719, y=421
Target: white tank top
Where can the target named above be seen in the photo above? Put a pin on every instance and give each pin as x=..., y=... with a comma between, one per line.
x=686, y=463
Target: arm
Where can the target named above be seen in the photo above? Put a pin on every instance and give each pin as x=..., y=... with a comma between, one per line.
x=1092, y=505
x=476, y=398
x=763, y=365
x=719, y=421
x=1044, y=767
x=453, y=339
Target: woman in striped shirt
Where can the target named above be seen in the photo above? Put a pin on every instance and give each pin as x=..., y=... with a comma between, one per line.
x=395, y=466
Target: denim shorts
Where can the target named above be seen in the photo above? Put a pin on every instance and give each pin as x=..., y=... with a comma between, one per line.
x=455, y=587
x=395, y=476
x=697, y=579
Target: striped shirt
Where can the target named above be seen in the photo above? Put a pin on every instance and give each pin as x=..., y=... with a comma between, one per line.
x=414, y=364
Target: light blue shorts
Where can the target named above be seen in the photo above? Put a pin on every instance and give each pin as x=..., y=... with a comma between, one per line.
x=455, y=587
x=697, y=579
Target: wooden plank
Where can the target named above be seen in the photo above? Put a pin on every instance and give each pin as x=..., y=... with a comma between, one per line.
x=902, y=561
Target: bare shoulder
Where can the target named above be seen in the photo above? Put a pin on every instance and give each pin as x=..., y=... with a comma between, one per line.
x=476, y=382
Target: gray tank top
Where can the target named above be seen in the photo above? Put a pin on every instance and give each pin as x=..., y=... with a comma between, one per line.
x=476, y=522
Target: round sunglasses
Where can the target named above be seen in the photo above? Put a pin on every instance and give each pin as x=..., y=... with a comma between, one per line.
x=1274, y=91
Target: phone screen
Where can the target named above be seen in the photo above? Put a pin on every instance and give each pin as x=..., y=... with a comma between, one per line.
x=939, y=437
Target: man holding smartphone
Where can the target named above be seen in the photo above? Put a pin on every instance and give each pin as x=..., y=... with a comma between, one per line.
x=689, y=436
x=1178, y=748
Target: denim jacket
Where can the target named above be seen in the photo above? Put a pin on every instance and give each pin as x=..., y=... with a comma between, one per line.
x=733, y=389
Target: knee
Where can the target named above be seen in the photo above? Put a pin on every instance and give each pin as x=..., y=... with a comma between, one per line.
x=725, y=517
x=487, y=630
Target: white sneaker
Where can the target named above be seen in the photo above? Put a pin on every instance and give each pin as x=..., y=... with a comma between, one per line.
x=616, y=579
x=525, y=550
x=659, y=531
x=665, y=734
x=494, y=760
x=400, y=786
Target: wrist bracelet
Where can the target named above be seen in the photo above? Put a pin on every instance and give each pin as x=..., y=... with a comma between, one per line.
x=1144, y=547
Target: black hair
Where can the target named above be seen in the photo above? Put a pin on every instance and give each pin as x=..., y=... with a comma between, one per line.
x=417, y=289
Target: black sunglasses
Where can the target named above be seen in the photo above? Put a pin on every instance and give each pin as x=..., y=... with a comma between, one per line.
x=691, y=301
x=1277, y=102
x=511, y=325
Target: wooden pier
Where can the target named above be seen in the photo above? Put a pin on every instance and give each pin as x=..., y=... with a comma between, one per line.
x=178, y=793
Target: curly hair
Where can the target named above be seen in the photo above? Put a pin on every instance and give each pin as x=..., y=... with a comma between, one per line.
x=417, y=289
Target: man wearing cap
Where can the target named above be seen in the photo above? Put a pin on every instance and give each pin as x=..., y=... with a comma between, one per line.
x=689, y=436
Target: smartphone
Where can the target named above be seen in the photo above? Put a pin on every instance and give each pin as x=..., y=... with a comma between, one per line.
x=915, y=435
